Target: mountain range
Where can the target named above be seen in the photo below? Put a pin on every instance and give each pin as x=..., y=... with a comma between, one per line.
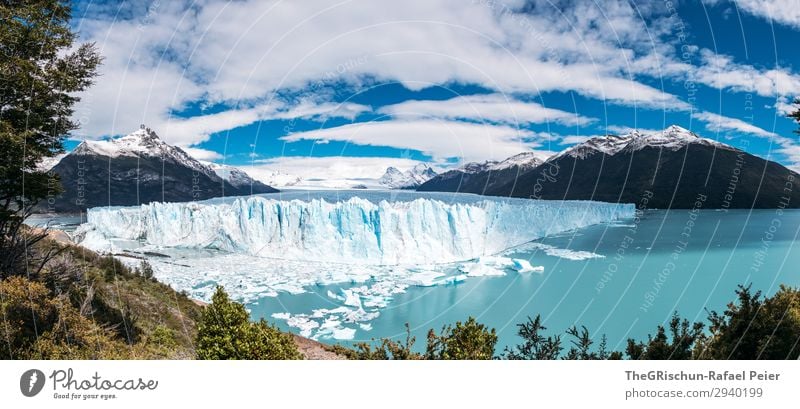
x=141, y=168
x=475, y=177
x=673, y=168
x=410, y=179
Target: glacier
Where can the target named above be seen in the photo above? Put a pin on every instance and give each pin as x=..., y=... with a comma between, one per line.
x=353, y=231
x=367, y=249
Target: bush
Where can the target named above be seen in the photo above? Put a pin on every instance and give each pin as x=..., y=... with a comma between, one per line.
x=225, y=332
x=754, y=328
x=386, y=350
x=684, y=337
x=534, y=345
x=40, y=326
x=469, y=340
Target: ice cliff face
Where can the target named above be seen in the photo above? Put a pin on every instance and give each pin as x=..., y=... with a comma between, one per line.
x=353, y=231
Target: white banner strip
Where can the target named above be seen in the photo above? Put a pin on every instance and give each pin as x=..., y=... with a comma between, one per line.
x=370, y=384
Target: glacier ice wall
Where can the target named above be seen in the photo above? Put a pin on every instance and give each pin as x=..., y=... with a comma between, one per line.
x=352, y=231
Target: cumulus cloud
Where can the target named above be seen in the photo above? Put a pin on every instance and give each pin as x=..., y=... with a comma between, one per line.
x=326, y=172
x=187, y=131
x=489, y=108
x=242, y=57
x=719, y=123
x=441, y=139
x=781, y=11
x=203, y=154
x=722, y=72
x=161, y=59
x=786, y=146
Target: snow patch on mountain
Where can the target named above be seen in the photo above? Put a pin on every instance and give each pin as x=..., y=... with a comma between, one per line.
x=524, y=160
x=671, y=138
x=233, y=175
x=143, y=143
x=396, y=179
x=49, y=163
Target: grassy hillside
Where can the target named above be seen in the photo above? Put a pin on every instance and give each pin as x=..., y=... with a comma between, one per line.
x=80, y=305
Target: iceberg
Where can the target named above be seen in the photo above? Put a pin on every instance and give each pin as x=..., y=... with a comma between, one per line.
x=353, y=231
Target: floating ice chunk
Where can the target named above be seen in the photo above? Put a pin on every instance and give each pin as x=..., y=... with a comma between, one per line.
x=572, y=254
x=524, y=266
x=281, y=316
x=343, y=333
x=453, y=279
x=568, y=254
x=481, y=270
x=365, y=327
x=360, y=315
x=425, y=278
x=487, y=266
x=351, y=298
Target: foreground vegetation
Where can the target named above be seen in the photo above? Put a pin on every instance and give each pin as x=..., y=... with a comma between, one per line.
x=80, y=305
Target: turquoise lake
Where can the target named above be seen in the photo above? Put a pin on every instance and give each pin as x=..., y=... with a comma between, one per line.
x=666, y=261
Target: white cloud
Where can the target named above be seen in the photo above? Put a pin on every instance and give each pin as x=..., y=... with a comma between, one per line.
x=784, y=106
x=575, y=139
x=203, y=154
x=196, y=129
x=241, y=53
x=721, y=72
x=786, y=146
x=719, y=123
x=440, y=139
x=327, y=172
x=784, y=12
x=490, y=108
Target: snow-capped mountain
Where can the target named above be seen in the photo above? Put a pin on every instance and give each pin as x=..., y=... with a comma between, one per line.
x=667, y=169
x=141, y=168
x=671, y=138
x=48, y=163
x=476, y=177
x=396, y=179
x=233, y=175
x=142, y=143
x=278, y=178
x=673, y=168
x=524, y=161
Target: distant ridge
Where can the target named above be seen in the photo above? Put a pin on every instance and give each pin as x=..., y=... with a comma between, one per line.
x=674, y=168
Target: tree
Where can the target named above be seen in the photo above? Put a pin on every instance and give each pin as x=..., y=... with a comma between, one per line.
x=40, y=73
x=684, y=337
x=755, y=328
x=469, y=340
x=796, y=114
x=534, y=345
x=225, y=332
x=146, y=270
x=388, y=349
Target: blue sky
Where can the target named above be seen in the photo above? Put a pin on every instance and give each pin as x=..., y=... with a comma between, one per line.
x=355, y=86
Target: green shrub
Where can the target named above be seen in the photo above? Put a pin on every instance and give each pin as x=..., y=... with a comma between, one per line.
x=225, y=332
x=469, y=340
